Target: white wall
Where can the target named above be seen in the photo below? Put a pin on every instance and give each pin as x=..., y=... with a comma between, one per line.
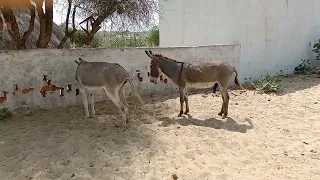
x=274, y=34
x=26, y=69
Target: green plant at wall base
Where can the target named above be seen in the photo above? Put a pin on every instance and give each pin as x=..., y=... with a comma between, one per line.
x=268, y=85
x=316, y=49
x=4, y=113
x=303, y=68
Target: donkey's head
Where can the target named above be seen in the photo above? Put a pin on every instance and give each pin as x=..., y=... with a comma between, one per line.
x=154, y=66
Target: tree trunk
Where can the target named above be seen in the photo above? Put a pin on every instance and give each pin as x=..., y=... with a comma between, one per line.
x=26, y=34
x=46, y=20
x=96, y=26
x=90, y=34
x=49, y=22
x=13, y=29
x=42, y=22
x=89, y=39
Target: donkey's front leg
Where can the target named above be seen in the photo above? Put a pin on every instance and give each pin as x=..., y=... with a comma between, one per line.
x=182, y=93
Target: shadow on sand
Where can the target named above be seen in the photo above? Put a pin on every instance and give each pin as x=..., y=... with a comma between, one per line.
x=230, y=124
x=296, y=83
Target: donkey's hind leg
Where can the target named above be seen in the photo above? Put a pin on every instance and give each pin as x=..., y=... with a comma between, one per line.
x=121, y=95
x=113, y=94
x=85, y=102
x=186, y=100
x=93, y=111
x=225, y=99
x=182, y=95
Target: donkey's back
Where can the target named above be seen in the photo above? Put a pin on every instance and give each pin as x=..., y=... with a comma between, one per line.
x=206, y=72
x=99, y=74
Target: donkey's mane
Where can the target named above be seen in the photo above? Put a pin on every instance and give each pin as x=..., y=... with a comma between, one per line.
x=166, y=58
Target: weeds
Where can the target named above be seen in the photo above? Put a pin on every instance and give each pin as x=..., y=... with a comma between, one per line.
x=303, y=68
x=4, y=113
x=268, y=85
x=316, y=49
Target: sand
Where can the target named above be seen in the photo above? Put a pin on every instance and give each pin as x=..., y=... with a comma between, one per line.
x=282, y=144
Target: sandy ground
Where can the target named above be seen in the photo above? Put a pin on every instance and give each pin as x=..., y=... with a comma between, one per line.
x=282, y=144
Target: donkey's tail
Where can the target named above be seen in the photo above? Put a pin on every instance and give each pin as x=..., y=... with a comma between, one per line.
x=134, y=91
x=236, y=79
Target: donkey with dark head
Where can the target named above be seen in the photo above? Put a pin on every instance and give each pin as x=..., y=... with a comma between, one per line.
x=201, y=75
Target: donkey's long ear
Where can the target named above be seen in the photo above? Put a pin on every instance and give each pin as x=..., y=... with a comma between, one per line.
x=150, y=52
x=150, y=55
x=77, y=62
x=81, y=60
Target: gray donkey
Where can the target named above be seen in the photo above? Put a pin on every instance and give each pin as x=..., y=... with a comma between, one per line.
x=201, y=75
x=94, y=77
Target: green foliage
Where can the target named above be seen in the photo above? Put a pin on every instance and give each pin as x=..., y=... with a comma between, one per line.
x=124, y=39
x=117, y=39
x=4, y=113
x=132, y=39
x=316, y=49
x=268, y=85
x=303, y=68
x=78, y=39
x=153, y=38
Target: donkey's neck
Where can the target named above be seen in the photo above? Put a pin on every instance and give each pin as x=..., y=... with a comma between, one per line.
x=171, y=69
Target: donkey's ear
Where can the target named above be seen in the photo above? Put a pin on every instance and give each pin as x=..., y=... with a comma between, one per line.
x=150, y=52
x=150, y=56
x=81, y=60
x=76, y=62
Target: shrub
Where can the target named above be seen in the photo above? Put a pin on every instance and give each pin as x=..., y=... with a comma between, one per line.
x=153, y=38
x=268, y=85
x=316, y=49
x=303, y=68
x=4, y=113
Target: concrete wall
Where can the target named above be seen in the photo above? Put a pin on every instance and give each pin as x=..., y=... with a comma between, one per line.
x=26, y=69
x=274, y=34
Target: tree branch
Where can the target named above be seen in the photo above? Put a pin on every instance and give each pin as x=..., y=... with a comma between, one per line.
x=67, y=17
x=67, y=33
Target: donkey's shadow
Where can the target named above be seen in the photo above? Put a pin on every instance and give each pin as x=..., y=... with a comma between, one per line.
x=230, y=124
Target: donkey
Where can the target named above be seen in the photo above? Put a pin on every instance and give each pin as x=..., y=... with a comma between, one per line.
x=94, y=77
x=201, y=75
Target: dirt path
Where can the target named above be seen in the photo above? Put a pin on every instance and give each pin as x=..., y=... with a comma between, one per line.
x=283, y=144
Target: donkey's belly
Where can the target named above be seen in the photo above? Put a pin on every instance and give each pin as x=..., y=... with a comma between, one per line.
x=200, y=85
x=95, y=89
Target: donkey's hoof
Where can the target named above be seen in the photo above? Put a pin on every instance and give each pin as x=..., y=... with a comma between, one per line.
x=220, y=113
x=224, y=116
x=186, y=112
x=86, y=117
x=180, y=114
